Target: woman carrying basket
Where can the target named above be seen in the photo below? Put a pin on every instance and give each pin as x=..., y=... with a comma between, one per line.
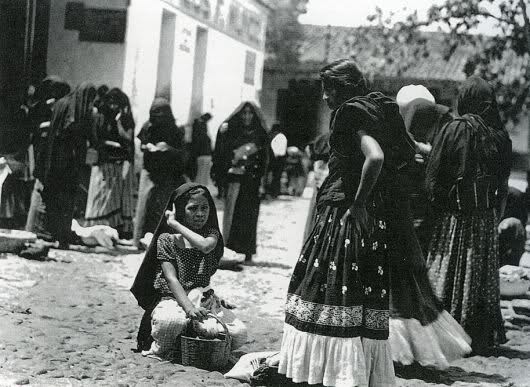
x=173, y=282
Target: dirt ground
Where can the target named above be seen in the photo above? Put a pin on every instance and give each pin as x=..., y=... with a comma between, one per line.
x=71, y=321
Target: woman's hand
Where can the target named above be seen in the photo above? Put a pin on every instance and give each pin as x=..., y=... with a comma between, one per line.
x=226, y=304
x=150, y=147
x=170, y=218
x=197, y=313
x=359, y=215
x=112, y=144
x=423, y=148
x=122, y=131
x=162, y=146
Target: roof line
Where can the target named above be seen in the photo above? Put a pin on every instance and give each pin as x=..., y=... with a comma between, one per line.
x=263, y=3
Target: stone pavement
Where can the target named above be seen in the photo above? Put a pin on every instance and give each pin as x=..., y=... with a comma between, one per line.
x=71, y=321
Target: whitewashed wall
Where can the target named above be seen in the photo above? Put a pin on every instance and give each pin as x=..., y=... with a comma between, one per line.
x=224, y=86
x=77, y=61
x=133, y=65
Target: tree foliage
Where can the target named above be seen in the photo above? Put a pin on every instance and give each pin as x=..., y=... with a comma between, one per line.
x=386, y=47
x=284, y=32
x=502, y=59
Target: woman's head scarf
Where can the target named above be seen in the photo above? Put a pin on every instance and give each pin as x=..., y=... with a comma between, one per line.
x=232, y=137
x=234, y=120
x=118, y=97
x=76, y=108
x=409, y=93
x=160, y=111
x=143, y=286
x=82, y=100
x=476, y=96
x=51, y=87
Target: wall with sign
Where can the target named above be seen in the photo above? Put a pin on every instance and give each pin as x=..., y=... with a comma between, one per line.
x=224, y=85
x=232, y=68
x=87, y=46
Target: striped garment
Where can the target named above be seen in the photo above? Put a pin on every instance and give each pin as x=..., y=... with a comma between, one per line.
x=110, y=196
x=463, y=264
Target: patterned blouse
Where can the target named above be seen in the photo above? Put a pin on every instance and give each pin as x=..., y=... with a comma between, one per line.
x=194, y=268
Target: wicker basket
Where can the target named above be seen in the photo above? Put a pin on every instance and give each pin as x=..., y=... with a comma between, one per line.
x=211, y=355
x=12, y=241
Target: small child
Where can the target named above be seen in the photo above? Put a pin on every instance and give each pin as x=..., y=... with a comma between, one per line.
x=173, y=282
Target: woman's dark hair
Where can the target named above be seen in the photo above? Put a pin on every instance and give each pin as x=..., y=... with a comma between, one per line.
x=102, y=90
x=345, y=77
x=181, y=202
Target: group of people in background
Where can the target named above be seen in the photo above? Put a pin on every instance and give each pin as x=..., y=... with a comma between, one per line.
x=77, y=149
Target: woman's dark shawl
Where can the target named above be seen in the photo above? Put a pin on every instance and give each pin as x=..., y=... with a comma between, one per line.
x=232, y=138
x=143, y=286
x=476, y=143
x=75, y=108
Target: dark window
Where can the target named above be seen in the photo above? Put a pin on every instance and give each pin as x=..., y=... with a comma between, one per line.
x=103, y=25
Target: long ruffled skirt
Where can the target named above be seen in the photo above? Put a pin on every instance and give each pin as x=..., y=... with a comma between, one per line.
x=337, y=315
x=463, y=264
x=420, y=329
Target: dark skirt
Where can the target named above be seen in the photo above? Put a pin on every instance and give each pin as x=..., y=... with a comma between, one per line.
x=411, y=295
x=153, y=194
x=240, y=218
x=59, y=200
x=463, y=264
x=340, y=284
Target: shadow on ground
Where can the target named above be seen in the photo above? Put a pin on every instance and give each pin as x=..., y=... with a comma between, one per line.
x=448, y=377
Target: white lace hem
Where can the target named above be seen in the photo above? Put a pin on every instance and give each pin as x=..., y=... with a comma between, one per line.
x=335, y=361
x=435, y=345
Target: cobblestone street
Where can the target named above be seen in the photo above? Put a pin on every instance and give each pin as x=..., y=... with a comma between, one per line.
x=72, y=321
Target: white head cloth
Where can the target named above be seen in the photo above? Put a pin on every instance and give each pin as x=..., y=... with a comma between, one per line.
x=409, y=93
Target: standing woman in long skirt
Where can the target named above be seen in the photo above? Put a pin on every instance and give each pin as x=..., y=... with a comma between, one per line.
x=420, y=329
x=467, y=177
x=164, y=160
x=337, y=312
x=70, y=129
x=110, y=193
x=240, y=160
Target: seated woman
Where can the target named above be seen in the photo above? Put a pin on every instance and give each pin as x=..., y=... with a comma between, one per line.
x=173, y=282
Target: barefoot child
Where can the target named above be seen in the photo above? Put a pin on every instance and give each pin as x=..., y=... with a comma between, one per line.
x=173, y=282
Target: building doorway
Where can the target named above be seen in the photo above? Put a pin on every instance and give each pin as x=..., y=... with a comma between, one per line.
x=298, y=109
x=199, y=69
x=166, y=55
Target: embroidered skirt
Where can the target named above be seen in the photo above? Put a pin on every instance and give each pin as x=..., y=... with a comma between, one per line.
x=339, y=286
x=463, y=264
x=110, y=196
x=338, y=301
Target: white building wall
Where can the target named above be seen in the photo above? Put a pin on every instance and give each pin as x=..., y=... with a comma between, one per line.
x=133, y=65
x=76, y=61
x=141, y=58
x=224, y=87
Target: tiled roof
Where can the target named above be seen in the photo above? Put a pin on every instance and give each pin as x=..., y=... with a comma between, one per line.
x=323, y=44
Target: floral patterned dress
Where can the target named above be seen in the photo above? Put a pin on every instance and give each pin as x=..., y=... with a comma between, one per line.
x=337, y=309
